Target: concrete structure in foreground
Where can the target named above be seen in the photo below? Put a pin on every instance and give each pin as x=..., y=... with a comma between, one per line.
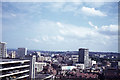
x=32, y=59
x=14, y=69
x=84, y=57
x=32, y=69
x=3, y=50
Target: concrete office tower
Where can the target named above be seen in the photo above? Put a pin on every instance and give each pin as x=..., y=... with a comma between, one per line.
x=32, y=66
x=3, y=50
x=22, y=52
x=84, y=57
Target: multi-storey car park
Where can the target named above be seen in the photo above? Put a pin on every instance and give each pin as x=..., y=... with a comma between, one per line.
x=14, y=69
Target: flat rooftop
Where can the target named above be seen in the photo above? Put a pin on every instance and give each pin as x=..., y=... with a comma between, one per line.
x=43, y=76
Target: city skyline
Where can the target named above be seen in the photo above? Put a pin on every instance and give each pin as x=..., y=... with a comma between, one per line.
x=61, y=26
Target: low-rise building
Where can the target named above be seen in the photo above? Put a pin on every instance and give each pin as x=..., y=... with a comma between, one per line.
x=39, y=66
x=74, y=58
x=47, y=58
x=80, y=66
x=93, y=62
x=68, y=67
x=41, y=58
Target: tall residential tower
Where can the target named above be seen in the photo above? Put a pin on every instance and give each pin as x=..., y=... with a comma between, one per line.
x=3, y=50
x=22, y=52
x=84, y=57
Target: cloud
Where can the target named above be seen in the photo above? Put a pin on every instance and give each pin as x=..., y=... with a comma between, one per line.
x=60, y=38
x=90, y=23
x=44, y=31
x=33, y=40
x=64, y=7
x=59, y=31
x=55, y=6
x=75, y=31
x=92, y=11
x=60, y=1
x=106, y=30
x=59, y=24
x=53, y=38
x=68, y=35
x=12, y=14
x=104, y=35
x=45, y=38
x=21, y=10
x=78, y=32
x=70, y=8
x=109, y=30
x=95, y=4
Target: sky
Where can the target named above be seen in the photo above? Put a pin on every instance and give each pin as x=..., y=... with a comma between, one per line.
x=61, y=26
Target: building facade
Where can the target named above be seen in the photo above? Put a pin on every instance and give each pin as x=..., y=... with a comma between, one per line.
x=14, y=69
x=74, y=58
x=3, y=50
x=32, y=59
x=84, y=57
x=32, y=67
x=22, y=52
x=13, y=54
x=39, y=66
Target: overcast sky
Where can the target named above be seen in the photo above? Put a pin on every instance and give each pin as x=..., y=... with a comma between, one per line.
x=61, y=26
